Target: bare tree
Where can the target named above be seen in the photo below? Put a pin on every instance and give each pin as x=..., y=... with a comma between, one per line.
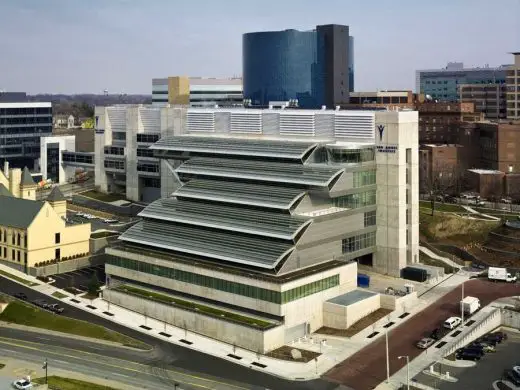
x=439, y=180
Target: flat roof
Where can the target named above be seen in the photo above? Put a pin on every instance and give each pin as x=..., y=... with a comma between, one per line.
x=485, y=171
x=352, y=297
x=26, y=105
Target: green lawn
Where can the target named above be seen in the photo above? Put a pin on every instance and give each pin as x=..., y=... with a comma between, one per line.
x=103, y=234
x=102, y=196
x=18, y=279
x=24, y=314
x=444, y=207
x=59, y=295
x=61, y=383
x=193, y=306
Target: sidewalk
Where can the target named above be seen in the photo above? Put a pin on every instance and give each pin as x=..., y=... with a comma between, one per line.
x=333, y=349
x=445, y=260
x=472, y=211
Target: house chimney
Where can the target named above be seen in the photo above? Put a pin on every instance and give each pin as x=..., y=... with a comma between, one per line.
x=6, y=169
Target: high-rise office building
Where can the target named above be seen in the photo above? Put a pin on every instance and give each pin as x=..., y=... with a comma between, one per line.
x=443, y=84
x=197, y=91
x=314, y=67
x=22, y=124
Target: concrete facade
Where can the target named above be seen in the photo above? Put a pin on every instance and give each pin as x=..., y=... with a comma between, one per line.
x=343, y=316
x=513, y=88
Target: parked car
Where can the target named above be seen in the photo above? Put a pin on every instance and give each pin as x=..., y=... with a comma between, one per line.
x=512, y=376
x=55, y=308
x=488, y=341
x=425, y=343
x=21, y=296
x=469, y=349
x=438, y=333
x=41, y=303
x=452, y=322
x=497, y=337
x=468, y=355
x=22, y=384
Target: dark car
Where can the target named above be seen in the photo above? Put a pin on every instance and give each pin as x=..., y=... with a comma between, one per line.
x=41, y=303
x=468, y=355
x=21, y=296
x=55, y=308
x=487, y=340
x=478, y=350
x=496, y=337
x=438, y=333
x=501, y=335
x=512, y=377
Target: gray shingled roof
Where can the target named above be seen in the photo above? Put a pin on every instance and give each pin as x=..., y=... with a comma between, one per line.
x=18, y=213
x=27, y=179
x=4, y=191
x=56, y=195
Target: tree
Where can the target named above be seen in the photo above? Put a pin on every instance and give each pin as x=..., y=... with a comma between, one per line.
x=439, y=180
x=93, y=285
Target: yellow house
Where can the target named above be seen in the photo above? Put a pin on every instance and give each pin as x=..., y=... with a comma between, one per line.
x=18, y=183
x=34, y=232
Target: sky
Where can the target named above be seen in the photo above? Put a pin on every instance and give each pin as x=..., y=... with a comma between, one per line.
x=86, y=46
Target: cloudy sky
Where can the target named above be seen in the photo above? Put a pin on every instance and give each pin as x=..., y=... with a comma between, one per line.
x=80, y=46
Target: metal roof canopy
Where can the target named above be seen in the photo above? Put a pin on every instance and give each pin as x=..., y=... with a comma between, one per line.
x=261, y=171
x=236, y=146
x=257, y=252
x=262, y=223
x=258, y=195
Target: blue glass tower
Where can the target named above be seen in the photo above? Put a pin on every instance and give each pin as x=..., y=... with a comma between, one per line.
x=311, y=66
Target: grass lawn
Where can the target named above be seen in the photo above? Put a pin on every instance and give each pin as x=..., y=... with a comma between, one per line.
x=59, y=295
x=453, y=227
x=193, y=306
x=61, y=383
x=103, y=234
x=102, y=197
x=439, y=206
x=18, y=279
x=448, y=269
x=24, y=314
x=284, y=353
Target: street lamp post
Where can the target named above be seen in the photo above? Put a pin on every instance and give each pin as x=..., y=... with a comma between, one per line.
x=407, y=370
x=45, y=366
x=387, y=359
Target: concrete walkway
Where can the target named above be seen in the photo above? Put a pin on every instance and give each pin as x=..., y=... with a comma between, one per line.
x=333, y=349
x=445, y=260
x=475, y=212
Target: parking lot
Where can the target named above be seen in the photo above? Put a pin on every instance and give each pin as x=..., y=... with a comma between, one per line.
x=98, y=223
x=79, y=278
x=486, y=371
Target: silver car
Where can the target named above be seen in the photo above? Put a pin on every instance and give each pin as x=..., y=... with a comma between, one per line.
x=425, y=343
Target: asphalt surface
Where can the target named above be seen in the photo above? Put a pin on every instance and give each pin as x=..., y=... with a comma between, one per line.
x=166, y=355
x=367, y=368
x=489, y=369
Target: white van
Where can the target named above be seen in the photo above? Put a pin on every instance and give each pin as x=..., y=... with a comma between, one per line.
x=452, y=322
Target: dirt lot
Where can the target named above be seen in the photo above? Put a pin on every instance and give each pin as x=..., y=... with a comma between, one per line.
x=357, y=326
x=367, y=368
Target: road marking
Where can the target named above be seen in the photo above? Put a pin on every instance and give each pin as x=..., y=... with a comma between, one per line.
x=115, y=373
x=43, y=338
x=61, y=361
x=124, y=368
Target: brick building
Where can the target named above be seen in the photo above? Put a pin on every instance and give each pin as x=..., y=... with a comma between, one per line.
x=384, y=99
x=440, y=122
x=489, y=99
x=440, y=168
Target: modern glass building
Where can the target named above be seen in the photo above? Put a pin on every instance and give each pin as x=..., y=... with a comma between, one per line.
x=314, y=67
x=443, y=84
x=22, y=125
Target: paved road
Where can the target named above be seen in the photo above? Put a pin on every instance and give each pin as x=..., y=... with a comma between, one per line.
x=367, y=368
x=174, y=357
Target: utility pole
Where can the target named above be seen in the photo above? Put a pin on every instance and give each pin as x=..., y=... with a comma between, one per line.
x=46, y=372
x=387, y=359
x=462, y=304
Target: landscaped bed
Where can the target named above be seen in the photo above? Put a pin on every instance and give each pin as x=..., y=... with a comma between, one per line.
x=427, y=260
x=18, y=279
x=284, y=353
x=358, y=326
x=24, y=314
x=61, y=383
x=59, y=295
x=214, y=312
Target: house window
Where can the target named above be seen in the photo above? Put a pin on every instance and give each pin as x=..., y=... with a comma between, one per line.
x=57, y=253
x=18, y=256
x=18, y=239
x=12, y=254
x=57, y=238
x=25, y=257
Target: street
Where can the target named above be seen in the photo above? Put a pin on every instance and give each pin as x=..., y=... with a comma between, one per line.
x=165, y=355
